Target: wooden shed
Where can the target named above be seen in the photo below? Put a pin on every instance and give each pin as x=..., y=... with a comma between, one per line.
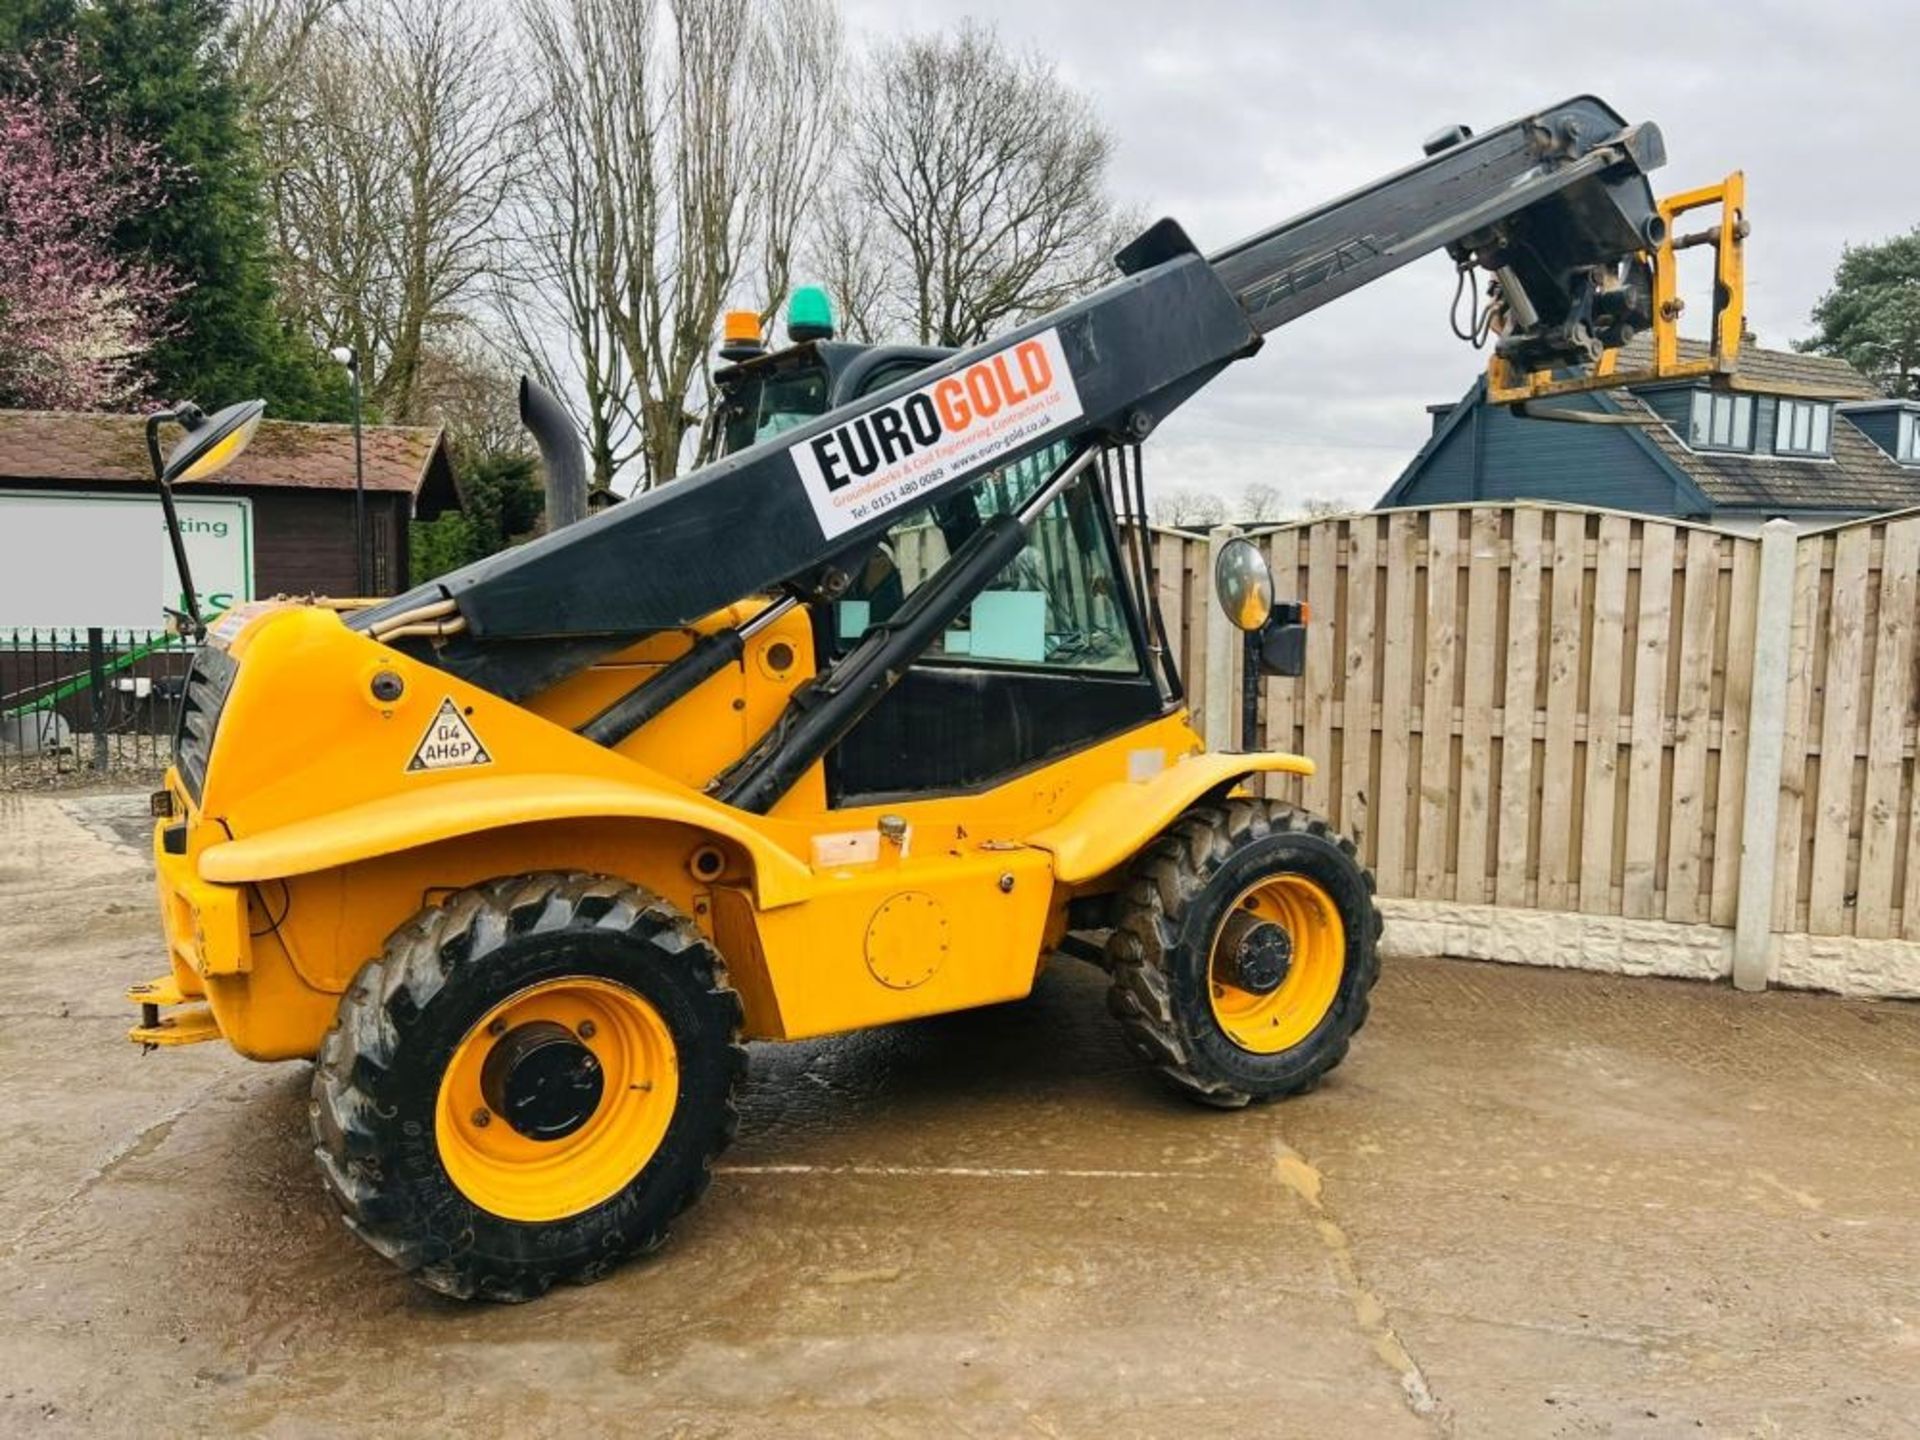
x=298, y=478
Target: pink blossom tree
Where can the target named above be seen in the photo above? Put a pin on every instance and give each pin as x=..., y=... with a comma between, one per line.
x=76, y=317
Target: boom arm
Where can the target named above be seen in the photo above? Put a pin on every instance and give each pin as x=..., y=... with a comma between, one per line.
x=1546, y=199
x=1556, y=204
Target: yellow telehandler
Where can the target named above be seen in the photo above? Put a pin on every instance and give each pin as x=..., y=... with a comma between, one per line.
x=861, y=720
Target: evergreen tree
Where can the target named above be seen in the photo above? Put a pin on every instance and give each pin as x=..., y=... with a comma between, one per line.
x=1871, y=316
x=500, y=504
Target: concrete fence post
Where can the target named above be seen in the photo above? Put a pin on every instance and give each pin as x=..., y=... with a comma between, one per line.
x=1766, y=736
x=1223, y=652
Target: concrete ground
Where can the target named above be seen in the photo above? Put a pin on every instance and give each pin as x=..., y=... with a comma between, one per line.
x=1531, y=1204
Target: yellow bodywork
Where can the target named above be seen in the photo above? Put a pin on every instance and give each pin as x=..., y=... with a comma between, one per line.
x=316, y=836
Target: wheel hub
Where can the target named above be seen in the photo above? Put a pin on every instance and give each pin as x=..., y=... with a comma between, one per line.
x=542, y=1080
x=1258, y=953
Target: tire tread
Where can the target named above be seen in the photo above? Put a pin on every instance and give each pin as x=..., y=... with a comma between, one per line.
x=419, y=960
x=1168, y=876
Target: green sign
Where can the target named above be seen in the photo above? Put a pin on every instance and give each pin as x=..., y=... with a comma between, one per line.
x=76, y=560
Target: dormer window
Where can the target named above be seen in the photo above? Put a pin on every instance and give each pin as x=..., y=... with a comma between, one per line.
x=1721, y=422
x=1804, y=428
x=1909, y=451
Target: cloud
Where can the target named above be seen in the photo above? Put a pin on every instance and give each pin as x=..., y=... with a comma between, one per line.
x=1232, y=117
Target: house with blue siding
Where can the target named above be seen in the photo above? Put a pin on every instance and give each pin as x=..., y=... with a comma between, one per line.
x=1802, y=437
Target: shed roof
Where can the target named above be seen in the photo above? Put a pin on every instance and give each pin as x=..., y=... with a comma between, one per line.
x=67, y=446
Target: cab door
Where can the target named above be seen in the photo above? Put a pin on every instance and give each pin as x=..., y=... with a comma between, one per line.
x=1048, y=659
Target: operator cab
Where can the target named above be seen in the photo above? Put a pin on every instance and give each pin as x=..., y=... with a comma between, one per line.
x=762, y=393
x=1007, y=686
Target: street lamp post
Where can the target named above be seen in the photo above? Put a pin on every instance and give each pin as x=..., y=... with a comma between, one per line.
x=350, y=358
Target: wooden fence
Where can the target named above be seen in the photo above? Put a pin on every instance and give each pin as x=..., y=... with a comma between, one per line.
x=1848, y=855
x=1551, y=707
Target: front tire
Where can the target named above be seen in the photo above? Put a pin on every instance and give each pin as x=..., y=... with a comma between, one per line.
x=1244, y=952
x=528, y=1085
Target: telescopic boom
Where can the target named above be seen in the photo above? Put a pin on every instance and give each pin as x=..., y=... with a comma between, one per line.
x=1556, y=205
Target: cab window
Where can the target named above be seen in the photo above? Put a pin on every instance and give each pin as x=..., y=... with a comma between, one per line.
x=1053, y=606
x=764, y=405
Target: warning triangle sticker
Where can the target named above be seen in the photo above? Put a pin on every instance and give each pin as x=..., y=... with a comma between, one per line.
x=449, y=743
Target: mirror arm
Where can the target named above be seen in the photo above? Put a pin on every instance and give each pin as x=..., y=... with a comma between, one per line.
x=1249, y=690
x=174, y=537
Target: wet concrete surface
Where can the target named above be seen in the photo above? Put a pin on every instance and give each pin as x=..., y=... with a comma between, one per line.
x=1531, y=1204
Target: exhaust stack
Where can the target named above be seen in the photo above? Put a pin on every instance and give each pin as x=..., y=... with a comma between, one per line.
x=560, y=458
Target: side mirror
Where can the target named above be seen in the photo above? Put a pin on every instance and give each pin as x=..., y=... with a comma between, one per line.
x=212, y=441
x=1244, y=582
x=210, y=445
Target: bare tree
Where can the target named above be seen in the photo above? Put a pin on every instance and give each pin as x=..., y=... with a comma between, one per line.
x=986, y=176
x=563, y=238
x=392, y=137
x=1260, y=501
x=844, y=254
x=463, y=385
x=269, y=40
x=556, y=325
x=1185, y=505
x=794, y=62
x=676, y=177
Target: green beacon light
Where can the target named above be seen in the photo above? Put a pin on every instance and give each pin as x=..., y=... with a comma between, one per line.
x=809, y=315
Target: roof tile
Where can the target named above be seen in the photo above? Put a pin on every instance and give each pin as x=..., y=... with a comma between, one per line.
x=65, y=445
x=1860, y=476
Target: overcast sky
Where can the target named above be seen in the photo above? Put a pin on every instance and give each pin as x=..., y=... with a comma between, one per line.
x=1233, y=117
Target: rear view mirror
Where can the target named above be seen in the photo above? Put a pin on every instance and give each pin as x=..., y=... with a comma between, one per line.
x=1244, y=582
x=212, y=441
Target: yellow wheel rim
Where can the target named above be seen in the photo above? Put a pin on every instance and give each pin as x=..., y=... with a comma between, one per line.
x=556, y=1099
x=1309, y=960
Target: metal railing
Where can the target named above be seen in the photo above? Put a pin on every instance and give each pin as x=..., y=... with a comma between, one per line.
x=83, y=706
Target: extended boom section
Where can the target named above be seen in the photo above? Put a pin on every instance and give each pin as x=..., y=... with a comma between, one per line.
x=1556, y=204
x=1545, y=202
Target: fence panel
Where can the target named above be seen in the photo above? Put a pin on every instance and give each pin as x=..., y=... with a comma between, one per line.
x=1606, y=654
x=1479, y=759
x=1846, y=856
x=1522, y=704
x=1832, y=754
x=1646, y=749
x=1892, y=660
x=1438, y=636
x=1396, y=642
x=1559, y=873
x=1359, y=751
x=1548, y=706
x=1733, y=652
x=1688, y=854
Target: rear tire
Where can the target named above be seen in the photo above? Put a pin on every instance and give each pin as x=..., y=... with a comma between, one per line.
x=1286, y=869
x=543, y=1193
